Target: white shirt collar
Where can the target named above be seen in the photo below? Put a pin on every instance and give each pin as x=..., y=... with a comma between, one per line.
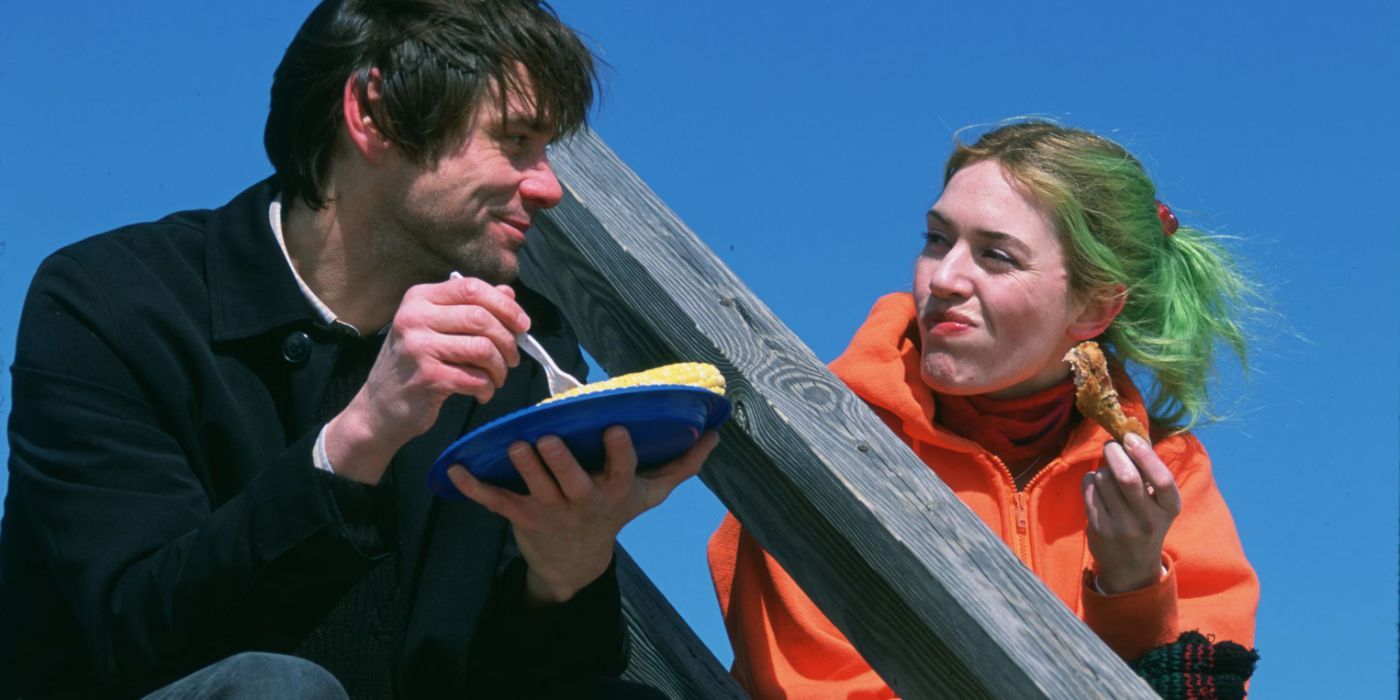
x=328, y=317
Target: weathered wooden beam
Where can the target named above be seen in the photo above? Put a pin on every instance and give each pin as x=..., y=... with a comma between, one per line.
x=666, y=654
x=936, y=603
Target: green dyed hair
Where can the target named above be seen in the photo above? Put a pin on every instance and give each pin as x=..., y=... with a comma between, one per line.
x=1184, y=294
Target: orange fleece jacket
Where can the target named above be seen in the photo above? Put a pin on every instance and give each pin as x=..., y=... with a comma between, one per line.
x=785, y=648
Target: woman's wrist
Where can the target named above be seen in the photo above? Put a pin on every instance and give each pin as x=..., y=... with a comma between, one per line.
x=1106, y=584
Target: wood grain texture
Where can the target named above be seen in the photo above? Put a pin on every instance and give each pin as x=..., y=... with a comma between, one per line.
x=666, y=654
x=936, y=603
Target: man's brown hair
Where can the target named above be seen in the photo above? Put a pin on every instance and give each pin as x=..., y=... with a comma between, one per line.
x=436, y=60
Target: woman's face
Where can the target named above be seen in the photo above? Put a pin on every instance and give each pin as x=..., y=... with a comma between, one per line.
x=996, y=314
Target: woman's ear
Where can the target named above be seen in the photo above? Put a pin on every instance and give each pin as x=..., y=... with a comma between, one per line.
x=1099, y=310
x=356, y=104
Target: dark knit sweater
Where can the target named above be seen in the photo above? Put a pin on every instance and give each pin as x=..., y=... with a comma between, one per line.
x=357, y=639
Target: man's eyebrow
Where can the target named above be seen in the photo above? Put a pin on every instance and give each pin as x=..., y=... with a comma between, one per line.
x=527, y=120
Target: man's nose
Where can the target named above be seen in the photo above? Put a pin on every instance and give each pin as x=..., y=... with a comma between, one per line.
x=541, y=186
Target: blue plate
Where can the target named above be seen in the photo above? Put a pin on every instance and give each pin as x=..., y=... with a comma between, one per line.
x=664, y=421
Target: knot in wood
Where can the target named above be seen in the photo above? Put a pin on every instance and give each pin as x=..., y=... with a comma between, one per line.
x=741, y=414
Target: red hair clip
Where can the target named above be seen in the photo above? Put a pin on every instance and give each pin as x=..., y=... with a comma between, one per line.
x=1168, y=219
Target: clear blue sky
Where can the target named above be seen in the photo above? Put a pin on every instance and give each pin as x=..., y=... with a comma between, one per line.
x=802, y=142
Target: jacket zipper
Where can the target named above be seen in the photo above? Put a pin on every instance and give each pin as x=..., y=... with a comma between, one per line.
x=1022, y=505
x=1023, y=528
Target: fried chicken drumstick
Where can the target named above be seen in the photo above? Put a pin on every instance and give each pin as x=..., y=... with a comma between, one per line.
x=1094, y=394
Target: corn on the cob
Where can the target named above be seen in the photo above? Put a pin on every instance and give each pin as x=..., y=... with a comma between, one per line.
x=700, y=374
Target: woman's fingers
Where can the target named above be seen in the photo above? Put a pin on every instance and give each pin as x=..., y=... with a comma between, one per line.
x=1130, y=502
x=1144, y=484
x=1115, y=507
x=1094, y=508
x=1125, y=473
x=1160, y=484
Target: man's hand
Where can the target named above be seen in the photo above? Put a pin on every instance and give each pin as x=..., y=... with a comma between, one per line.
x=1131, y=502
x=567, y=525
x=454, y=337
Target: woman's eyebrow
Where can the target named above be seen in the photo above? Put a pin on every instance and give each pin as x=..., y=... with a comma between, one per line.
x=989, y=236
x=1003, y=239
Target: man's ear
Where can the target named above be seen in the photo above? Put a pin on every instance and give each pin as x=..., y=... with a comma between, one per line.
x=1100, y=308
x=356, y=103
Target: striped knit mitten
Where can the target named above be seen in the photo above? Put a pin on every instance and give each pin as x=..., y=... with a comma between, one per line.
x=1194, y=668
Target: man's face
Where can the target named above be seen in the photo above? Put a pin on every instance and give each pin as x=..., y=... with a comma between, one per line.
x=470, y=211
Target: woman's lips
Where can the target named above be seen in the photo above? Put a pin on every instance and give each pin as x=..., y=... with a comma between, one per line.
x=949, y=323
x=948, y=328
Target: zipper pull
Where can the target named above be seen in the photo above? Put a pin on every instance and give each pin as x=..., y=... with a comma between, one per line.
x=1023, y=522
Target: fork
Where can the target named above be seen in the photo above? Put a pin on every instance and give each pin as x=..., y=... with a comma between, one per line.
x=558, y=380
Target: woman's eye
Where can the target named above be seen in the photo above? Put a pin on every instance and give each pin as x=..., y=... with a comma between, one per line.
x=934, y=238
x=999, y=256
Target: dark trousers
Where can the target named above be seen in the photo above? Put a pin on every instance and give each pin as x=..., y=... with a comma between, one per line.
x=258, y=675
x=253, y=675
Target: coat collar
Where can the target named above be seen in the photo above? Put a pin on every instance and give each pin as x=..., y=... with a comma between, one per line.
x=251, y=289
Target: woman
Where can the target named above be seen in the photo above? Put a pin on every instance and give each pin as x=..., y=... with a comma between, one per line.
x=1043, y=237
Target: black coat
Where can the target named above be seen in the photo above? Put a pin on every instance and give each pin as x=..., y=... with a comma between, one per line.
x=163, y=510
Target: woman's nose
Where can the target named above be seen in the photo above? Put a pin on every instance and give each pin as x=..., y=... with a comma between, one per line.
x=950, y=274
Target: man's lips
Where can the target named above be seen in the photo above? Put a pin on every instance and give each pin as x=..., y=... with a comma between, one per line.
x=516, y=226
x=521, y=225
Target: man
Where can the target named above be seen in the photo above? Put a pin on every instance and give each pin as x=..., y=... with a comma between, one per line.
x=223, y=420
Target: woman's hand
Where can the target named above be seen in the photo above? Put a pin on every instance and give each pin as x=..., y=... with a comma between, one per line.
x=567, y=524
x=1131, y=502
